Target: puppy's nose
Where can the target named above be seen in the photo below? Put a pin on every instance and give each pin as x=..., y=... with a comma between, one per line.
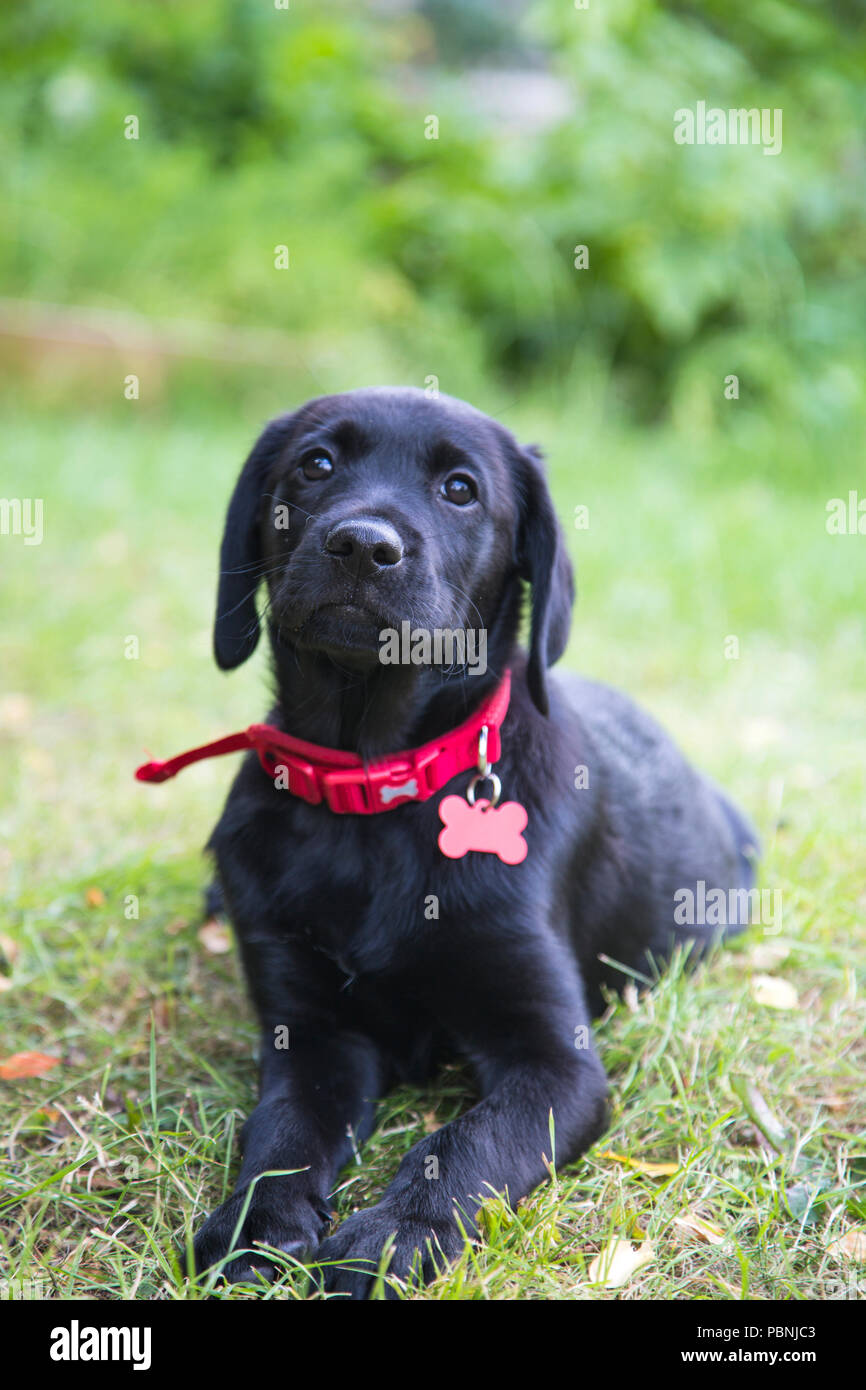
x=369, y=545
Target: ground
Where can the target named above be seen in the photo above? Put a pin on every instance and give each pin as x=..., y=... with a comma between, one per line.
x=711, y=590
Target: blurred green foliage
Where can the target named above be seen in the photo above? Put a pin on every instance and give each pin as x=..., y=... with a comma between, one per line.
x=306, y=127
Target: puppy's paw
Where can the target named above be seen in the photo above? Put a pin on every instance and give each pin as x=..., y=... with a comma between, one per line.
x=293, y=1224
x=350, y=1259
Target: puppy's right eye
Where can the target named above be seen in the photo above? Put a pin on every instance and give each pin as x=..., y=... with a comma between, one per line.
x=459, y=489
x=317, y=466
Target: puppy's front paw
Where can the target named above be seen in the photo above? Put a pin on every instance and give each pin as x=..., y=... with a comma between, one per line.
x=351, y=1257
x=294, y=1224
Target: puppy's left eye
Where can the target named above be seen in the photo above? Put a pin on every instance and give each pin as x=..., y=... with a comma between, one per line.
x=317, y=465
x=459, y=489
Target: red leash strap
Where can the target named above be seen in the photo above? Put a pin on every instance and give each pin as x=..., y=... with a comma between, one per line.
x=157, y=771
x=344, y=780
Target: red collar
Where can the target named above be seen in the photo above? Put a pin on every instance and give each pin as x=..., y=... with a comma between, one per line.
x=344, y=780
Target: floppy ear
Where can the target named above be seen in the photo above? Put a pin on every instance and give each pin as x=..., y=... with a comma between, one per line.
x=236, y=627
x=543, y=561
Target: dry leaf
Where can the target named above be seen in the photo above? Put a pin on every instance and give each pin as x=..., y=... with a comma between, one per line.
x=431, y=1124
x=94, y=897
x=215, y=937
x=652, y=1170
x=618, y=1261
x=693, y=1225
x=774, y=993
x=766, y=955
x=27, y=1064
x=835, y=1102
x=162, y=1012
x=851, y=1246
x=100, y=1180
x=761, y=732
x=8, y=948
x=16, y=712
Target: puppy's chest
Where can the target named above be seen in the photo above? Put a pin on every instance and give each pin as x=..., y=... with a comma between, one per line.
x=374, y=899
x=374, y=894
x=354, y=898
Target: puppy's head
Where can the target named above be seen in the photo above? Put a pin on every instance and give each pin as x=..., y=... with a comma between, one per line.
x=363, y=510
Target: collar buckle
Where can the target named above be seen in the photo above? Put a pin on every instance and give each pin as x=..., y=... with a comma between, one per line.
x=393, y=783
x=302, y=775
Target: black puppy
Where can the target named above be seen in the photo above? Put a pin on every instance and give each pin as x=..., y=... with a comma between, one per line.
x=380, y=955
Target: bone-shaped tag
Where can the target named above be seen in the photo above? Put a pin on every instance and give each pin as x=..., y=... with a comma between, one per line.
x=389, y=794
x=488, y=829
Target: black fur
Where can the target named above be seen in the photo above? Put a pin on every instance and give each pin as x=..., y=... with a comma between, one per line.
x=330, y=909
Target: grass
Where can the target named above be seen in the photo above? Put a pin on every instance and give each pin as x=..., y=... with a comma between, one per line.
x=118, y=1152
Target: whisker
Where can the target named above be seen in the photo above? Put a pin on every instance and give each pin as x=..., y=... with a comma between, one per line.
x=286, y=502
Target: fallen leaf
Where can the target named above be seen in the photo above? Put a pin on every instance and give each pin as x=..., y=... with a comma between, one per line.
x=653, y=1170
x=766, y=955
x=39, y=763
x=618, y=1262
x=100, y=1180
x=94, y=897
x=851, y=1246
x=760, y=732
x=774, y=993
x=16, y=712
x=836, y=1102
x=431, y=1124
x=27, y=1064
x=8, y=948
x=215, y=937
x=693, y=1225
